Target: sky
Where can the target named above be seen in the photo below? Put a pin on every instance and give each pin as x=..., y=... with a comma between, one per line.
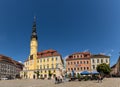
x=67, y=26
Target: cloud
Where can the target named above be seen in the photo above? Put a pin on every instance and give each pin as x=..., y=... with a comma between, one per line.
x=112, y=50
x=86, y=50
x=20, y=61
x=103, y=53
x=66, y=57
x=109, y=54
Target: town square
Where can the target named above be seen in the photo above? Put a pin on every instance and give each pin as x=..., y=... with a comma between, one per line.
x=59, y=43
x=108, y=82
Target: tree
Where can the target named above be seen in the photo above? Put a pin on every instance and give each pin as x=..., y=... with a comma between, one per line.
x=50, y=74
x=25, y=74
x=78, y=75
x=103, y=68
x=69, y=75
x=37, y=73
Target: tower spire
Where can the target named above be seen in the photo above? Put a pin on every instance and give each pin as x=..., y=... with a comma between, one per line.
x=34, y=33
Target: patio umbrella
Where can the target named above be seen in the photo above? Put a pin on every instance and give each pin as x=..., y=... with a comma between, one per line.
x=95, y=72
x=84, y=73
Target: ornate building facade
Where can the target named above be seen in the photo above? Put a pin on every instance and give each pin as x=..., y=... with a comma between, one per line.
x=78, y=62
x=41, y=64
x=9, y=68
x=85, y=61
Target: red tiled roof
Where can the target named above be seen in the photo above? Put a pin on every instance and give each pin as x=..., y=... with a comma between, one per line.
x=9, y=60
x=70, y=57
x=48, y=53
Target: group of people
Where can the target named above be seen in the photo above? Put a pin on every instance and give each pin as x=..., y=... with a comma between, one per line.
x=58, y=79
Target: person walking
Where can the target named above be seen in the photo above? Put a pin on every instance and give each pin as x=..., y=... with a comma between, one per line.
x=99, y=78
x=56, y=80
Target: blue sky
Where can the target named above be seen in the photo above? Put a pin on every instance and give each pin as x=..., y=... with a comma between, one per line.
x=67, y=26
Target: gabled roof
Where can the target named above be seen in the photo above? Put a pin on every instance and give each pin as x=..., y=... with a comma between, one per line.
x=99, y=56
x=80, y=53
x=113, y=66
x=86, y=55
x=48, y=53
x=10, y=60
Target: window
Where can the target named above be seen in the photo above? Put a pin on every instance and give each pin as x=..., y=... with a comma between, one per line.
x=40, y=66
x=44, y=60
x=48, y=66
x=97, y=60
x=71, y=69
x=71, y=63
x=77, y=62
x=93, y=66
x=84, y=62
x=56, y=58
x=37, y=61
x=101, y=60
x=81, y=68
x=87, y=62
x=106, y=60
x=68, y=63
x=52, y=59
x=74, y=62
x=40, y=60
x=75, y=69
x=56, y=65
x=80, y=62
x=45, y=71
x=84, y=68
x=81, y=56
x=93, y=61
x=47, y=60
x=68, y=69
x=44, y=66
x=52, y=65
x=37, y=67
x=85, y=56
x=87, y=68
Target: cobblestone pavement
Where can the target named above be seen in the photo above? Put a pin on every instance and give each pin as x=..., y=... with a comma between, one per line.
x=107, y=82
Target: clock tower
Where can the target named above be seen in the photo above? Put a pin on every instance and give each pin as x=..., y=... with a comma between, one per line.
x=34, y=42
x=33, y=47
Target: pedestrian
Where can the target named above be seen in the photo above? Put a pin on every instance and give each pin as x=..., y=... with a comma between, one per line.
x=99, y=78
x=56, y=80
x=60, y=79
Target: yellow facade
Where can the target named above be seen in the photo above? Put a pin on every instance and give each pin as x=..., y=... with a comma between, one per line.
x=47, y=64
x=42, y=65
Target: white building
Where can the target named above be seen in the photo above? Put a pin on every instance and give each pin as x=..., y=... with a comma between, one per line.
x=98, y=59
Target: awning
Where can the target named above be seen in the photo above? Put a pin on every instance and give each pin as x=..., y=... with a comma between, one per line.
x=95, y=72
x=84, y=73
